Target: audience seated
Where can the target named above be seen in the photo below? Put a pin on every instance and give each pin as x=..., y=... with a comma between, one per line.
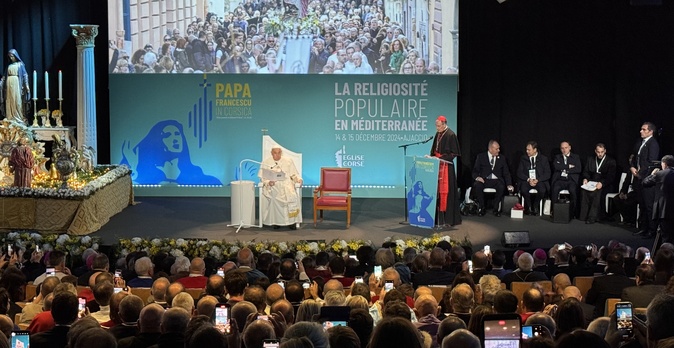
x=461, y=338
x=196, y=278
x=144, y=270
x=377, y=317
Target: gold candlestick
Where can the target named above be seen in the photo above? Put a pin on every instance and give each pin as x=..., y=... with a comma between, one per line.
x=35, y=124
x=45, y=121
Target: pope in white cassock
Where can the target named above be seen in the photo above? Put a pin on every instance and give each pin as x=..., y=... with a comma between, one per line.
x=284, y=202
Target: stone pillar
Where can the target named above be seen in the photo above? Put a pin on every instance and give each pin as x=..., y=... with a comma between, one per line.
x=86, y=86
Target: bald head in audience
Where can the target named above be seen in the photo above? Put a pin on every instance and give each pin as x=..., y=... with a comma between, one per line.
x=422, y=290
x=426, y=305
x=332, y=284
x=159, y=288
x=285, y=308
x=257, y=296
x=240, y=312
x=560, y=282
x=115, y=300
x=206, y=306
x=572, y=291
x=274, y=293
x=197, y=266
x=173, y=290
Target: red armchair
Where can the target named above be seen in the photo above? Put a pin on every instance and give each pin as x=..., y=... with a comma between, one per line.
x=334, y=192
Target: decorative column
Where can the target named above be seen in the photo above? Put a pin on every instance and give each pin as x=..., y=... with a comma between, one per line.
x=86, y=86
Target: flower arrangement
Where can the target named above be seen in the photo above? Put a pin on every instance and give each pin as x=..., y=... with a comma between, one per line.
x=220, y=250
x=292, y=25
x=84, y=185
x=71, y=245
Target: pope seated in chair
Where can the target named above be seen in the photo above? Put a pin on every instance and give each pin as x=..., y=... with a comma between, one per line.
x=284, y=202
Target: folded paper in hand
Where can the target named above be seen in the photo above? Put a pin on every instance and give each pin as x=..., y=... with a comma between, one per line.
x=590, y=186
x=273, y=175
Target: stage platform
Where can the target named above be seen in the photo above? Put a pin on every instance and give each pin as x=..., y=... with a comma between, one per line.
x=371, y=219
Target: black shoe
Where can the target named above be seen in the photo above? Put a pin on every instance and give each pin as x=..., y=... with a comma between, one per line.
x=481, y=212
x=276, y=227
x=497, y=213
x=292, y=226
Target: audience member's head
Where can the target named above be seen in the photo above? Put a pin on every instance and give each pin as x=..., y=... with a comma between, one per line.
x=396, y=309
x=461, y=338
x=240, y=312
x=308, y=310
x=285, y=308
x=489, y=286
x=64, y=308
x=581, y=338
x=173, y=290
x=342, y=336
x=559, y=282
x=103, y=292
x=183, y=300
x=150, y=318
x=256, y=332
x=175, y=320
x=159, y=288
x=396, y=332
x=525, y=262
x=660, y=314
x=569, y=316
x=205, y=306
x=532, y=300
x=235, y=282
x=362, y=324
x=256, y=295
x=129, y=308
x=448, y=325
x=426, y=305
x=313, y=331
x=143, y=267
x=475, y=322
x=545, y=320
x=294, y=291
x=505, y=301
x=95, y=337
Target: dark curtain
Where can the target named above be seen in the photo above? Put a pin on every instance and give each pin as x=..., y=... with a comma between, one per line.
x=39, y=30
x=584, y=71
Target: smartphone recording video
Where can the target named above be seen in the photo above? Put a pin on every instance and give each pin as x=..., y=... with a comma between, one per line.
x=221, y=317
x=388, y=286
x=81, y=307
x=20, y=339
x=51, y=271
x=271, y=343
x=624, y=319
x=502, y=330
x=377, y=272
x=359, y=279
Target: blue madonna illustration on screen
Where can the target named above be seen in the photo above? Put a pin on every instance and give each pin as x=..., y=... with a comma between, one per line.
x=163, y=157
x=417, y=202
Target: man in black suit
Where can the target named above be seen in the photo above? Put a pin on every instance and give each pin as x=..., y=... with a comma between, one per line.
x=602, y=170
x=663, y=182
x=566, y=176
x=435, y=275
x=645, y=290
x=64, y=311
x=533, y=173
x=645, y=152
x=491, y=171
x=609, y=285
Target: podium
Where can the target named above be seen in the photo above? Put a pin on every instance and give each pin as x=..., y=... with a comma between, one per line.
x=422, y=173
x=243, y=204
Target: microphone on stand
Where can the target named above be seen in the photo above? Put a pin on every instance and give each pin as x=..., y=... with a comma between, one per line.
x=427, y=140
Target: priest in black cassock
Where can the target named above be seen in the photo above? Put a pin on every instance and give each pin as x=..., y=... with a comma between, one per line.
x=446, y=147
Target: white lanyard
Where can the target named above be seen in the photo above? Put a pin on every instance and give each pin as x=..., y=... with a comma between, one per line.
x=600, y=163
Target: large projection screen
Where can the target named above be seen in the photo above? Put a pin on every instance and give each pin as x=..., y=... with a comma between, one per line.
x=194, y=83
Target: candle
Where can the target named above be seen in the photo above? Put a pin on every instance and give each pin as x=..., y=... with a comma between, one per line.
x=60, y=85
x=34, y=84
x=46, y=85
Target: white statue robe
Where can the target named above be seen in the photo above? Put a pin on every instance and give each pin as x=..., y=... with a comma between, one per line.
x=283, y=200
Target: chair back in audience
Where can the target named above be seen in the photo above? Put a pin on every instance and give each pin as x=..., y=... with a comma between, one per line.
x=143, y=293
x=610, y=306
x=583, y=284
x=438, y=290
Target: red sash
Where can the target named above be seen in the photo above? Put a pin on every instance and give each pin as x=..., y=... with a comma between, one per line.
x=443, y=183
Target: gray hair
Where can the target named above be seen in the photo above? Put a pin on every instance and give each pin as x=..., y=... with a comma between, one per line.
x=181, y=264
x=525, y=262
x=142, y=266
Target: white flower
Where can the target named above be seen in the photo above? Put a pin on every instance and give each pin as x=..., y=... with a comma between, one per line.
x=156, y=242
x=401, y=243
x=36, y=236
x=47, y=247
x=12, y=235
x=215, y=251
x=85, y=240
x=201, y=243
x=147, y=250
x=300, y=255
x=176, y=253
x=445, y=238
x=387, y=239
x=283, y=246
x=180, y=242
x=62, y=239
x=343, y=244
x=136, y=240
x=234, y=249
x=75, y=250
x=313, y=247
x=94, y=246
x=124, y=252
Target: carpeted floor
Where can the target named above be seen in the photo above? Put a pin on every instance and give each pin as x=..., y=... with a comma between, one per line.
x=371, y=219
